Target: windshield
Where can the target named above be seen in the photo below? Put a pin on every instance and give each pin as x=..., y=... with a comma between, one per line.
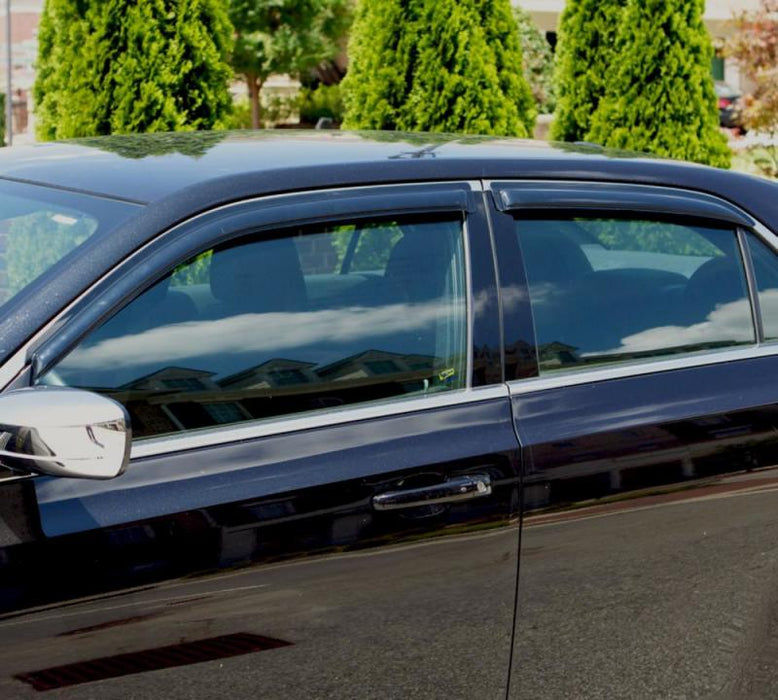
x=39, y=226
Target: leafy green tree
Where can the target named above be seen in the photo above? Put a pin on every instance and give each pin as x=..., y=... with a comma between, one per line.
x=284, y=36
x=586, y=47
x=437, y=65
x=660, y=96
x=119, y=66
x=538, y=61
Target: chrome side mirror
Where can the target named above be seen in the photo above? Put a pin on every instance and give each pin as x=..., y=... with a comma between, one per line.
x=64, y=432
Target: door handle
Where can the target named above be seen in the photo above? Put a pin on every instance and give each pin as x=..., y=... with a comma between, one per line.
x=460, y=488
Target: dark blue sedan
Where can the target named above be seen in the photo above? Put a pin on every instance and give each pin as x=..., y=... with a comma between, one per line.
x=311, y=415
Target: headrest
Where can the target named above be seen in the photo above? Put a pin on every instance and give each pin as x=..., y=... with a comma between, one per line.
x=258, y=277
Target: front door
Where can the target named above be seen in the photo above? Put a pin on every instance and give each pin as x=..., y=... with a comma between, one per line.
x=322, y=499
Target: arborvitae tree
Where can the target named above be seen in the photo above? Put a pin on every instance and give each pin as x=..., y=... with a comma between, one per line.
x=660, y=96
x=586, y=47
x=120, y=66
x=379, y=71
x=538, y=61
x=437, y=65
x=67, y=75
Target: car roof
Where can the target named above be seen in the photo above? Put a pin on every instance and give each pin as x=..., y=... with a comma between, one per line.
x=148, y=167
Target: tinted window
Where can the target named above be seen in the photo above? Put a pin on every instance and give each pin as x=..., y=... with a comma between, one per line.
x=605, y=290
x=766, y=273
x=40, y=226
x=271, y=326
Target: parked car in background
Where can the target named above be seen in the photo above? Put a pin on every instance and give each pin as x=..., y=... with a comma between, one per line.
x=729, y=110
x=346, y=415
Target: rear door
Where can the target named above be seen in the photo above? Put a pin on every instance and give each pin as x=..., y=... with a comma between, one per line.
x=649, y=558
x=323, y=493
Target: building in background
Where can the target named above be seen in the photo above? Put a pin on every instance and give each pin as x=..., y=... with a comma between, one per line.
x=25, y=17
x=718, y=17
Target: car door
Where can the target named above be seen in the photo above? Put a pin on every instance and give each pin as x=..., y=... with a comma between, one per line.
x=322, y=498
x=648, y=559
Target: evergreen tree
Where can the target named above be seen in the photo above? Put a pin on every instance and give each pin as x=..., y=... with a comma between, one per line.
x=437, y=65
x=119, y=66
x=586, y=47
x=660, y=96
x=379, y=71
x=67, y=75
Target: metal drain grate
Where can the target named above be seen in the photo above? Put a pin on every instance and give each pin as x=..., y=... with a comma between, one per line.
x=149, y=660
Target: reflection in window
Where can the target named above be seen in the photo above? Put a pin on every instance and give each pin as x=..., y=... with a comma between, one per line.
x=605, y=290
x=272, y=326
x=766, y=273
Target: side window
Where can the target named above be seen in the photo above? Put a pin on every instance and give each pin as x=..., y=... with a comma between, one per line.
x=766, y=274
x=606, y=289
x=280, y=323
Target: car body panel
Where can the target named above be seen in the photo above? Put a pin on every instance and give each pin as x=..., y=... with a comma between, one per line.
x=648, y=534
x=277, y=537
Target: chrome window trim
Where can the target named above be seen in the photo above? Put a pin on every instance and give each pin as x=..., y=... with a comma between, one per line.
x=577, y=377
x=238, y=432
x=469, y=306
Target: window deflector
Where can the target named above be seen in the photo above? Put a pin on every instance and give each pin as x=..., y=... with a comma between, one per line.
x=217, y=226
x=615, y=197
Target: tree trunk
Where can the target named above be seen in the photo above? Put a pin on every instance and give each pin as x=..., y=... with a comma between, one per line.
x=254, y=88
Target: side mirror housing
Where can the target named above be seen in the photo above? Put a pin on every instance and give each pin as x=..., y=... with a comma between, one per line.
x=64, y=432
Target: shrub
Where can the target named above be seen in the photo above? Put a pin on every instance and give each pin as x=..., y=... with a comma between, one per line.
x=437, y=65
x=119, y=66
x=586, y=47
x=660, y=96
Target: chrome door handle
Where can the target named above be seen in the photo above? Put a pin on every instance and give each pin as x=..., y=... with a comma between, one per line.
x=460, y=488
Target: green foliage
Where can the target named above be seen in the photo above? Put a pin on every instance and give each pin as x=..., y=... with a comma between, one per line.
x=660, y=96
x=284, y=37
x=380, y=53
x=586, y=47
x=194, y=271
x=374, y=245
x=538, y=61
x=119, y=66
x=36, y=241
x=648, y=237
x=324, y=101
x=437, y=65
x=275, y=109
x=192, y=144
